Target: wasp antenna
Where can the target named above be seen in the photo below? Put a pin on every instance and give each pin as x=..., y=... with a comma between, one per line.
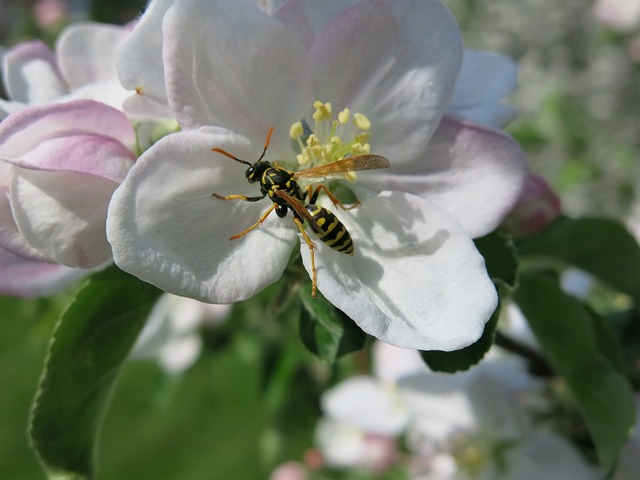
x=266, y=143
x=227, y=154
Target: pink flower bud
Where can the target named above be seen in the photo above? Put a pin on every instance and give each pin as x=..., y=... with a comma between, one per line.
x=537, y=206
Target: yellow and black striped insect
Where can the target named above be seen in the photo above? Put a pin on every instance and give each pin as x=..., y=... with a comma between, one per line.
x=284, y=191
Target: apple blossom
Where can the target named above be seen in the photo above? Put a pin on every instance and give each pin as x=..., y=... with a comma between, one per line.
x=171, y=332
x=83, y=65
x=536, y=208
x=416, y=279
x=59, y=165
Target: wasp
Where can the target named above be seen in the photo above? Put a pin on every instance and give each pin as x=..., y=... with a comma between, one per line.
x=282, y=188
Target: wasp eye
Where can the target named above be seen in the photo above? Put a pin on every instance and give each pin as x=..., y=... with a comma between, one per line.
x=249, y=173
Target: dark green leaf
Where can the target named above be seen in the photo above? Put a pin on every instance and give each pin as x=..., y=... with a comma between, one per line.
x=500, y=257
x=600, y=246
x=325, y=330
x=90, y=344
x=459, y=360
x=567, y=337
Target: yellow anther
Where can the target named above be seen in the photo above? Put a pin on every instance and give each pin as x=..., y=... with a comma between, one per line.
x=336, y=140
x=343, y=116
x=312, y=140
x=362, y=122
x=363, y=137
x=323, y=111
x=296, y=130
x=303, y=158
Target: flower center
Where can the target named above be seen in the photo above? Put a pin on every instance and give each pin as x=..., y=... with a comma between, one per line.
x=331, y=140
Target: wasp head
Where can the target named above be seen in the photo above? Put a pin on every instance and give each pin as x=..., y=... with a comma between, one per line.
x=255, y=171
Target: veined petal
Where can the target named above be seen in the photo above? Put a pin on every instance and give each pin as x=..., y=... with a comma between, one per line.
x=63, y=215
x=139, y=61
x=415, y=280
x=31, y=74
x=307, y=18
x=24, y=130
x=165, y=227
x=394, y=61
x=27, y=278
x=87, y=52
x=474, y=173
x=228, y=63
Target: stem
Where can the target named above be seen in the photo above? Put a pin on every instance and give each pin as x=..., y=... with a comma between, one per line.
x=538, y=365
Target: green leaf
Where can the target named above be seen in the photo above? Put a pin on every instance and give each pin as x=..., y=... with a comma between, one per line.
x=325, y=330
x=90, y=344
x=459, y=360
x=600, y=246
x=500, y=257
x=567, y=336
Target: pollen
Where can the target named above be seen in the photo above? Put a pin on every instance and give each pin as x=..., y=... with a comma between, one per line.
x=331, y=139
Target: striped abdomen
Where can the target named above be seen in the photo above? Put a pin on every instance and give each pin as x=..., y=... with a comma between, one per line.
x=332, y=232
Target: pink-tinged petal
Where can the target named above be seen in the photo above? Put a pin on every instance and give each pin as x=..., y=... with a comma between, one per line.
x=24, y=130
x=415, y=281
x=228, y=63
x=26, y=278
x=87, y=52
x=537, y=206
x=474, y=173
x=394, y=61
x=89, y=154
x=31, y=74
x=10, y=237
x=484, y=80
x=63, y=215
x=308, y=18
x=139, y=61
x=166, y=228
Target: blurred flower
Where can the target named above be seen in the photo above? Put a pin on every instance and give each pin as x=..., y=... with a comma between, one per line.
x=171, y=334
x=49, y=14
x=622, y=15
x=82, y=66
x=289, y=471
x=537, y=206
x=230, y=64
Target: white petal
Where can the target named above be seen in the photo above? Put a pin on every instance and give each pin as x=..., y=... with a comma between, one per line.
x=228, y=63
x=165, y=227
x=416, y=279
x=474, y=173
x=139, y=61
x=394, y=61
x=392, y=363
x=87, y=52
x=31, y=74
x=10, y=237
x=484, y=80
x=366, y=403
x=63, y=215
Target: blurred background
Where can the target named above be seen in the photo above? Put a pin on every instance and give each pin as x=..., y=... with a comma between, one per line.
x=579, y=95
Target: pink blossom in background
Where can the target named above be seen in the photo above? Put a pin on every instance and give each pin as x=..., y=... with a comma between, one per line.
x=537, y=206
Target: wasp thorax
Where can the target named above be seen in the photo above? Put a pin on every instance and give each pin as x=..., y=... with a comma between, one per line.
x=331, y=139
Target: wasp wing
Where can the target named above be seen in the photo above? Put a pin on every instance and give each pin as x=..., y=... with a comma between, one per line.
x=298, y=207
x=349, y=164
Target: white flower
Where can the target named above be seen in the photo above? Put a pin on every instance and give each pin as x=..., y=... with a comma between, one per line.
x=83, y=65
x=171, y=332
x=416, y=279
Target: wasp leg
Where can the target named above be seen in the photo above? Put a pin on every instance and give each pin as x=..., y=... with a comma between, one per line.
x=259, y=222
x=314, y=274
x=313, y=197
x=239, y=197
